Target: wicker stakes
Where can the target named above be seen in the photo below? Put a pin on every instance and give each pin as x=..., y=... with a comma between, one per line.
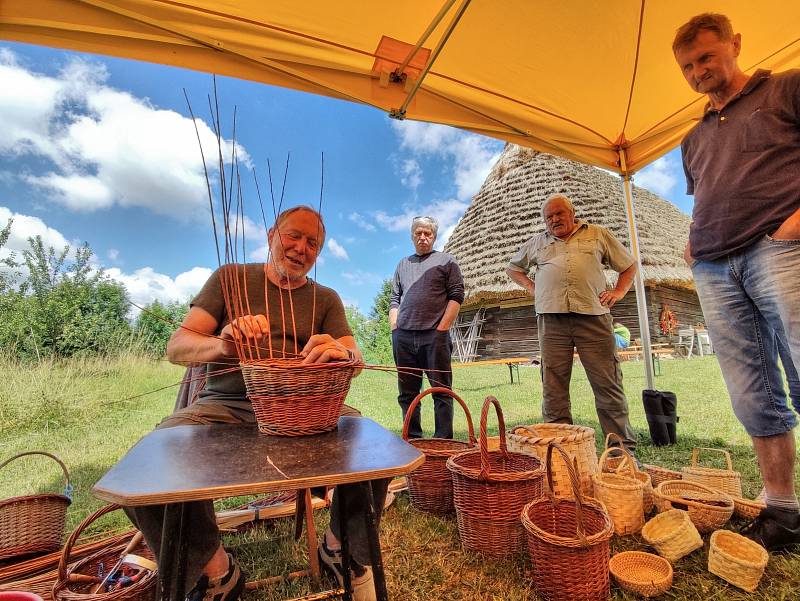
x=622, y=494
x=489, y=490
x=672, y=534
x=430, y=486
x=737, y=559
x=708, y=509
x=727, y=480
x=568, y=540
x=291, y=399
x=33, y=523
x=641, y=573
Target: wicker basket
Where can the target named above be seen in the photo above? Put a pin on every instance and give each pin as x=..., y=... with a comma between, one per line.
x=33, y=523
x=672, y=534
x=737, y=559
x=708, y=509
x=292, y=399
x=660, y=474
x=577, y=441
x=72, y=585
x=623, y=495
x=748, y=509
x=568, y=540
x=490, y=488
x=727, y=480
x=430, y=486
x=612, y=463
x=641, y=476
x=641, y=573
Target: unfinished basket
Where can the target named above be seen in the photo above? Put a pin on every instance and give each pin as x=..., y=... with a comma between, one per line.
x=78, y=582
x=727, y=480
x=708, y=509
x=641, y=573
x=660, y=474
x=568, y=540
x=622, y=494
x=490, y=489
x=737, y=559
x=747, y=508
x=430, y=486
x=577, y=441
x=292, y=399
x=641, y=476
x=672, y=534
x=33, y=523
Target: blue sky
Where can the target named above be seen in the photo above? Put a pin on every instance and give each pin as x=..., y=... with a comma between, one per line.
x=102, y=150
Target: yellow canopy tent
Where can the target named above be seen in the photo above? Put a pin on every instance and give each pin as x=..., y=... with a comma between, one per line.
x=590, y=81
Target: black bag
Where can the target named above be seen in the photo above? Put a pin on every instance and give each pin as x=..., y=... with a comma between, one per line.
x=660, y=408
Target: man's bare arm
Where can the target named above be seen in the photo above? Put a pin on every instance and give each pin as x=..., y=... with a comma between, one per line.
x=609, y=298
x=521, y=279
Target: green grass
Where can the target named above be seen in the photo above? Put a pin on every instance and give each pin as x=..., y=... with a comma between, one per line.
x=84, y=412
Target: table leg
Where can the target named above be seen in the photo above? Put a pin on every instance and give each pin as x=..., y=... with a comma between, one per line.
x=311, y=535
x=375, y=544
x=345, y=542
x=172, y=577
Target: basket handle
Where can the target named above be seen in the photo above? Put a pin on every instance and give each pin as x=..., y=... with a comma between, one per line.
x=67, y=486
x=626, y=464
x=614, y=437
x=572, y=470
x=482, y=437
x=696, y=455
x=442, y=390
x=531, y=429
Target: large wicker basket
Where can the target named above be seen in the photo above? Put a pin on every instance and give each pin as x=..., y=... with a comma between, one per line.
x=577, y=441
x=490, y=488
x=430, y=486
x=292, y=399
x=568, y=540
x=726, y=480
x=737, y=559
x=708, y=509
x=622, y=492
x=33, y=523
x=672, y=534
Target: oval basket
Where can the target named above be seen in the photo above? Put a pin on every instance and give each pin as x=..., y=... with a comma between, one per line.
x=748, y=509
x=292, y=399
x=568, y=540
x=672, y=534
x=737, y=559
x=660, y=474
x=727, y=480
x=430, y=486
x=490, y=489
x=707, y=508
x=641, y=573
x=623, y=495
x=34, y=523
x=577, y=441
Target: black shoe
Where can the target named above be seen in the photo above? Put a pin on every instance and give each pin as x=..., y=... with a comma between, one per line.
x=775, y=529
x=227, y=587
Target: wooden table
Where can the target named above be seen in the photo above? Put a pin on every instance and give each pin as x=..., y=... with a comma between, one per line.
x=193, y=463
x=513, y=364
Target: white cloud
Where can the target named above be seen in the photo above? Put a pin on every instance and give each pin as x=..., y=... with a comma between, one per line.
x=361, y=277
x=410, y=173
x=659, y=177
x=146, y=285
x=361, y=221
x=446, y=212
x=113, y=254
x=337, y=250
x=26, y=226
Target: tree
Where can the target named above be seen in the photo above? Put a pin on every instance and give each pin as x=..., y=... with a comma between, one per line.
x=157, y=322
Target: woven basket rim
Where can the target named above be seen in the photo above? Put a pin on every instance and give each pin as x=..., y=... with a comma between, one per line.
x=643, y=555
x=670, y=515
x=579, y=433
x=475, y=473
x=41, y=496
x=750, y=545
x=688, y=484
x=294, y=363
x=589, y=504
x=459, y=446
x=617, y=481
x=711, y=471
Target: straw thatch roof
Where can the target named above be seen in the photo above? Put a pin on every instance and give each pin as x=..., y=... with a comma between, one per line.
x=507, y=211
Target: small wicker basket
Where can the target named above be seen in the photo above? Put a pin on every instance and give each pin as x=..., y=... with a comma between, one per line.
x=613, y=462
x=737, y=559
x=292, y=399
x=577, y=441
x=641, y=573
x=747, y=508
x=660, y=474
x=34, y=523
x=672, y=534
x=490, y=488
x=622, y=494
x=641, y=476
x=708, y=509
x=727, y=480
x=430, y=486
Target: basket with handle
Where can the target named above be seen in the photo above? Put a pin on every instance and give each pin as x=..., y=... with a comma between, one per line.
x=623, y=495
x=430, y=486
x=34, y=523
x=748, y=509
x=292, y=399
x=726, y=480
x=641, y=573
x=79, y=581
x=489, y=490
x=708, y=509
x=613, y=462
x=577, y=441
x=568, y=540
x=627, y=465
x=736, y=559
x=660, y=474
x=672, y=534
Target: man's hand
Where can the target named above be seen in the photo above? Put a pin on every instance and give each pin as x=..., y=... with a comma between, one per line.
x=249, y=330
x=322, y=348
x=687, y=254
x=609, y=298
x=789, y=229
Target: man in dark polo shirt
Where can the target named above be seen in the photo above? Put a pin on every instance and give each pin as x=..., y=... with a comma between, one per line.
x=427, y=291
x=742, y=164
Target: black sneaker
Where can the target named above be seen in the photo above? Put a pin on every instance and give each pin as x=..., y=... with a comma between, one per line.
x=775, y=529
x=227, y=587
x=360, y=576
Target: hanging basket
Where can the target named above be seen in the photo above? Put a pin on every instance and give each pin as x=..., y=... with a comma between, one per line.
x=489, y=490
x=622, y=494
x=34, y=523
x=707, y=508
x=641, y=573
x=737, y=559
x=430, y=486
x=727, y=480
x=660, y=474
x=292, y=399
x=577, y=441
x=568, y=540
x=627, y=465
x=672, y=534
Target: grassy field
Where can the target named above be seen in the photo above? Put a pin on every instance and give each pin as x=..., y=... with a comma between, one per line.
x=89, y=413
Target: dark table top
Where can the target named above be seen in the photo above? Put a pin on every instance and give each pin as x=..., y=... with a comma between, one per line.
x=191, y=463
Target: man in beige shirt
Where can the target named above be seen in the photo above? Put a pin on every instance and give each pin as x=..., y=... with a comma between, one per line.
x=573, y=306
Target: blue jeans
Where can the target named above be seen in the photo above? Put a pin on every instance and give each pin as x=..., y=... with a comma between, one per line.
x=751, y=303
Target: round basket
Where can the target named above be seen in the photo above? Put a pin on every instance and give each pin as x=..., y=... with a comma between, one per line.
x=737, y=559
x=577, y=441
x=708, y=509
x=748, y=509
x=34, y=523
x=727, y=480
x=292, y=399
x=78, y=582
x=490, y=488
x=568, y=540
x=641, y=476
x=672, y=534
x=623, y=495
x=641, y=573
x=430, y=486
x=660, y=474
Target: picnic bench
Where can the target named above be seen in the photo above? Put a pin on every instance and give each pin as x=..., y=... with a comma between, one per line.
x=513, y=364
x=634, y=353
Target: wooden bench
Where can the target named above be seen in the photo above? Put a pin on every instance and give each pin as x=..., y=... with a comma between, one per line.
x=657, y=350
x=513, y=364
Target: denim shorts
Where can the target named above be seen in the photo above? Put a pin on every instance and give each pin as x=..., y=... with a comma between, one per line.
x=751, y=303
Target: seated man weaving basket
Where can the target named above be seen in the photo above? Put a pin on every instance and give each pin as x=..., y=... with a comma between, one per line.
x=287, y=315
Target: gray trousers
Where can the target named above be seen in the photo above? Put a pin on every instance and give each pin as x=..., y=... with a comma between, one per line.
x=593, y=337
x=202, y=535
